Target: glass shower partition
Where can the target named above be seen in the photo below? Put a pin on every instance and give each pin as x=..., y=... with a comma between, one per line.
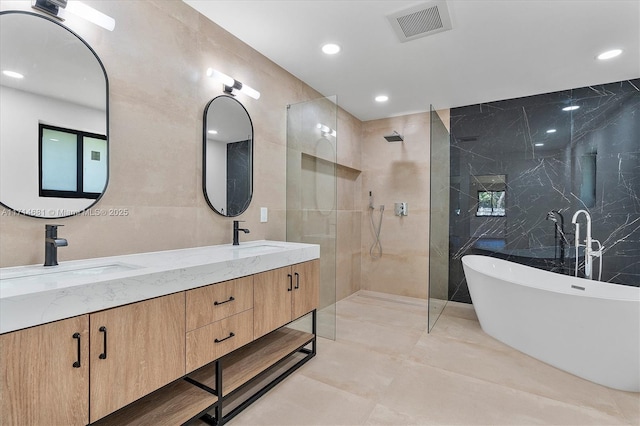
x=438, y=218
x=311, y=193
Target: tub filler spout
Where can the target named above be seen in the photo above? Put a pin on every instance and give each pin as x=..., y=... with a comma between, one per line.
x=589, y=252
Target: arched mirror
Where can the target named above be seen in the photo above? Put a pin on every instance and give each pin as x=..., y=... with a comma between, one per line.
x=227, y=172
x=54, y=114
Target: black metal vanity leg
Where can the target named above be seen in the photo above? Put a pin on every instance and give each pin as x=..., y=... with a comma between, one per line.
x=218, y=409
x=314, y=326
x=314, y=323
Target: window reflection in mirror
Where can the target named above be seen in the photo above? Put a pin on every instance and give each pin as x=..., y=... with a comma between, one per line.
x=72, y=163
x=227, y=156
x=63, y=88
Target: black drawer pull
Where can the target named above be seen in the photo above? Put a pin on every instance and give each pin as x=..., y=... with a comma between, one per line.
x=222, y=340
x=290, y=282
x=103, y=355
x=297, y=281
x=77, y=363
x=231, y=299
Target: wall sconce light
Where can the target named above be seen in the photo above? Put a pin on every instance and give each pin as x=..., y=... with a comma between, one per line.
x=326, y=130
x=230, y=84
x=59, y=8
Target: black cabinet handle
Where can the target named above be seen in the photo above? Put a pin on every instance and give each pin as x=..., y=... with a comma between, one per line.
x=222, y=340
x=231, y=299
x=103, y=355
x=297, y=281
x=290, y=282
x=77, y=363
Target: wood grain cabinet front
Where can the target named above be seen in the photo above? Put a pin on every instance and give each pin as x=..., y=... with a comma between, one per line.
x=44, y=377
x=218, y=301
x=306, y=288
x=212, y=341
x=135, y=349
x=80, y=370
x=284, y=294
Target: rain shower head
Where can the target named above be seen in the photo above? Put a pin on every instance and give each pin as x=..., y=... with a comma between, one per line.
x=394, y=137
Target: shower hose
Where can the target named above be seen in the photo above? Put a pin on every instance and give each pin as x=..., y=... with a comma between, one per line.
x=376, y=248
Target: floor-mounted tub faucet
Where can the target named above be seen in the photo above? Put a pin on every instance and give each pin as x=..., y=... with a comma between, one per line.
x=51, y=244
x=589, y=252
x=559, y=237
x=236, y=231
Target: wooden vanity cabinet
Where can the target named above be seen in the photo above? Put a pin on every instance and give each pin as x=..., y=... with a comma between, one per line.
x=306, y=288
x=284, y=294
x=45, y=374
x=219, y=320
x=215, y=302
x=80, y=370
x=135, y=349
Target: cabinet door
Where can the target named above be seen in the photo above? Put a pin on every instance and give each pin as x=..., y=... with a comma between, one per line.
x=271, y=300
x=306, y=290
x=41, y=382
x=135, y=349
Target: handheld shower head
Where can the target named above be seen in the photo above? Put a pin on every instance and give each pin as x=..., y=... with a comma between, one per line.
x=551, y=216
x=394, y=137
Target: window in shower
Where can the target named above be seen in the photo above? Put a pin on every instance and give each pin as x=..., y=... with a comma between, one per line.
x=491, y=203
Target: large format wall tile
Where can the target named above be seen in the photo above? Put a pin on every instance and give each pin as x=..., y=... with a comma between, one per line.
x=590, y=162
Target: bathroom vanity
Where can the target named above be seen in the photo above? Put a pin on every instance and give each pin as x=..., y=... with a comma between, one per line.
x=155, y=338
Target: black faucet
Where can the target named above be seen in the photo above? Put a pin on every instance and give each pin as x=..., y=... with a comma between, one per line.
x=51, y=244
x=559, y=235
x=236, y=230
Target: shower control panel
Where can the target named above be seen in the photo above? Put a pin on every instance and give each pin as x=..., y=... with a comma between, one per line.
x=402, y=209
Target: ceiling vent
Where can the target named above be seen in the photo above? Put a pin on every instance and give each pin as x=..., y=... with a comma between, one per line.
x=421, y=20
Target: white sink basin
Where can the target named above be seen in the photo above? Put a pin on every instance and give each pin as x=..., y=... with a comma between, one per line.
x=257, y=248
x=38, y=273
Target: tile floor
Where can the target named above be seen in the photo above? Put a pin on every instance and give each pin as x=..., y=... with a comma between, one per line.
x=385, y=369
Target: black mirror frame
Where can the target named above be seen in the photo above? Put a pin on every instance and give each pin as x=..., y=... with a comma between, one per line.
x=106, y=86
x=204, y=155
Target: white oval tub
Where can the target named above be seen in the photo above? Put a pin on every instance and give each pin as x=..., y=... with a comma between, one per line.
x=587, y=328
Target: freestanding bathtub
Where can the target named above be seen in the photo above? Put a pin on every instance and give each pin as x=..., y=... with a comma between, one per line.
x=587, y=328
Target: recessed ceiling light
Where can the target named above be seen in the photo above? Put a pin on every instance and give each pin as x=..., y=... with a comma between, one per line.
x=539, y=144
x=12, y=74
x=382, y=98
x=551, y=131
x=213, y=132
x=609, y=54
x=571, y=108
x=330, y=48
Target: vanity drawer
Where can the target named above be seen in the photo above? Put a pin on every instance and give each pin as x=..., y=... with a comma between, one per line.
x=209, y=343
x=217, y=301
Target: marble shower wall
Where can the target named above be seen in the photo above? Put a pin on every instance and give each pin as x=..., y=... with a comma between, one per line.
x=590, y=162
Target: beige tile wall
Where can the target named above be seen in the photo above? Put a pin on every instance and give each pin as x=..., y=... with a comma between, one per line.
x=396, y=172
x=348, y=271
x=155, y=60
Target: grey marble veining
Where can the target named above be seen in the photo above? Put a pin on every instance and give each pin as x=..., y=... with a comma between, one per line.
x=591, y=161
x=34, y=295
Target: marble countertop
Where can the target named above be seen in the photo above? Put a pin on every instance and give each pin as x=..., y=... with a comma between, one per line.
x=34, y=295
